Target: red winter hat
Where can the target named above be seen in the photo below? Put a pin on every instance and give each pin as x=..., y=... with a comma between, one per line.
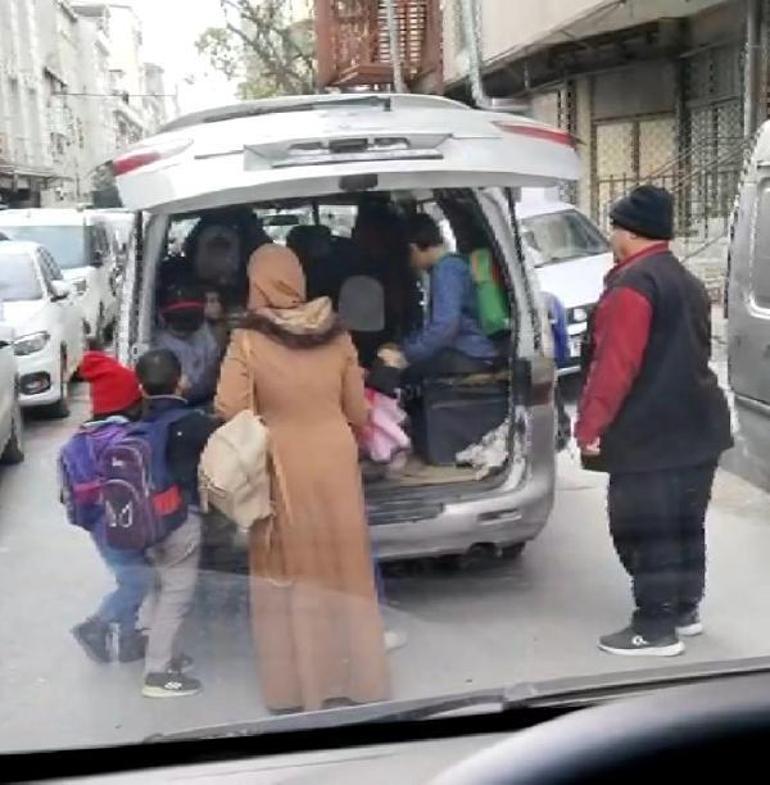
x=113, y=387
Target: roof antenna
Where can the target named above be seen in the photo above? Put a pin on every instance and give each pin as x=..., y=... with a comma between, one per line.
x=394, y=43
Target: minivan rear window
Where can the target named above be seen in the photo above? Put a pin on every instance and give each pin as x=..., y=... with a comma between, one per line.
x=67, y=244
x=562, y=236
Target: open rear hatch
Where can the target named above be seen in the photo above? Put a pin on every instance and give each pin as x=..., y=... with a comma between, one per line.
x=274, y=150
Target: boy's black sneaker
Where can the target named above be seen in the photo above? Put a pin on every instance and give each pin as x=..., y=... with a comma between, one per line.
x=688, y=625
x=171, y=684
x=93, y=635
x=132, y=646
x=629, y=643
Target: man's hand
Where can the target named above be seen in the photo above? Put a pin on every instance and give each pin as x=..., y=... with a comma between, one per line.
x=592, y=450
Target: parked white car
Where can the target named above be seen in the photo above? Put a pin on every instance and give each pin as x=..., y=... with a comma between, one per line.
x=48, y=322
x=11, y=423
x=80, y=242
x=571, y=256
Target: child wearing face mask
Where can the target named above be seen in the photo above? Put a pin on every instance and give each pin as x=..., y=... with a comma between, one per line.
x=191, y=338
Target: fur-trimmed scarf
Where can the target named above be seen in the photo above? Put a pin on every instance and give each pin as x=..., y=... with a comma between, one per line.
x=304, y=327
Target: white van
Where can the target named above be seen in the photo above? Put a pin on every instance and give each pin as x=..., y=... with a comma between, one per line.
x=326, y=154
x=572, y=257
x=79, y=241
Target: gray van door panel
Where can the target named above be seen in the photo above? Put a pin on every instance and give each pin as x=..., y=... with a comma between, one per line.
x=749, y=294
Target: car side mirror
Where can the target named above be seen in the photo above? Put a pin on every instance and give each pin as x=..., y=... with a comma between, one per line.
x=61, y=290
x=97, y=260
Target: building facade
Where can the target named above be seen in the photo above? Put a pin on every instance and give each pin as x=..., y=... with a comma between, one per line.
x=26, y=166
x=74, y=89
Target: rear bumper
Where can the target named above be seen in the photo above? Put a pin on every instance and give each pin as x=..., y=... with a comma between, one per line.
x=515, y=512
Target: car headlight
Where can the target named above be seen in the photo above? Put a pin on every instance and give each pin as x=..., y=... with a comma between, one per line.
x=29, y=344
x=578, y=315
x=80, y=285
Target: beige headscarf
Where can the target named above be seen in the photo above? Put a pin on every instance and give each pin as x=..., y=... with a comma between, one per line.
x=278, y=292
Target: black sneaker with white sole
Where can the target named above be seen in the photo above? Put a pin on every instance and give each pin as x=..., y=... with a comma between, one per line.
x=171, y=684
x=629, y=643
x=688, y=625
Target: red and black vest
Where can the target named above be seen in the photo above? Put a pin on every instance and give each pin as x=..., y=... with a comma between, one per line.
x=675, y=415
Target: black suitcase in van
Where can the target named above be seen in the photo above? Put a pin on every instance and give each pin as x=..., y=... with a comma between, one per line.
x=455, y=413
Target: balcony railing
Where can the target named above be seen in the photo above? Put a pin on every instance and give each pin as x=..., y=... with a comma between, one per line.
x=353, y=43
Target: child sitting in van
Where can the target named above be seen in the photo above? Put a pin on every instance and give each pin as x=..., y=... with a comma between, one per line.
x=116, y=399
x=190, y=337
x=452, y=342
x=176, y=557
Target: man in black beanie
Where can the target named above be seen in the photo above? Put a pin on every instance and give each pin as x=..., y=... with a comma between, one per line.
x=653, y=416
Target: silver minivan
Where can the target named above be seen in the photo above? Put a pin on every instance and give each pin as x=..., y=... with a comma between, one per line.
x=320, y=155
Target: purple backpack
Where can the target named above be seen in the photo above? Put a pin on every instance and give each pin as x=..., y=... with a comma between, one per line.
x=79, y=477
x=142, y=501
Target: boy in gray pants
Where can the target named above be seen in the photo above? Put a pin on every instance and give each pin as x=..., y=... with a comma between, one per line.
x=175, y=558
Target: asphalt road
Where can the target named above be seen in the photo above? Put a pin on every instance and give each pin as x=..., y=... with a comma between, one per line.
x=532, y=619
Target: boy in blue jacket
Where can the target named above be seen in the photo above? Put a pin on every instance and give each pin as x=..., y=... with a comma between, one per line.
x=452, y=341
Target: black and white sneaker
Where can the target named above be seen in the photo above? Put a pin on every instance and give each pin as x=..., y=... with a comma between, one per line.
x=171, y=684
x=688, y=625
x=629, y=643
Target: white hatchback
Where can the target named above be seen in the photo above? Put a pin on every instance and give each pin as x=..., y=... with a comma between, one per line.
x=80, y=242
x=48, y=322
x=572, y=257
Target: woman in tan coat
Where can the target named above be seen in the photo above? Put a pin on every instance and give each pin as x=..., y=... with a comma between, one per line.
x=316, y=622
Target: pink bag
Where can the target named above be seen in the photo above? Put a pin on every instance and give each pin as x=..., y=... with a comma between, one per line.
x=382, y=438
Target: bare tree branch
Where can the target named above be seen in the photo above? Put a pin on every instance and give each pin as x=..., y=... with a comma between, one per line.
x=258, y=43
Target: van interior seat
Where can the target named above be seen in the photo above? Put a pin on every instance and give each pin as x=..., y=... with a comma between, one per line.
x=362, y=304
x=362, y=309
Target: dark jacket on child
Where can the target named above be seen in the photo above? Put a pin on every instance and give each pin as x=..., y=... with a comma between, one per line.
x=186, y=439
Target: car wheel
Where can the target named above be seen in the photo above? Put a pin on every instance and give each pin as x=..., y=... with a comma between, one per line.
x=14, y=449
x=513, y=552
x=61, y=408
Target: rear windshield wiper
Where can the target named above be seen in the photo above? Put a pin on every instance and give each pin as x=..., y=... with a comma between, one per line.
x=568, y=692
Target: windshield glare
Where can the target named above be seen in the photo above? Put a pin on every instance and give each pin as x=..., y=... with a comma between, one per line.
x=562, y=236
x=67, y=244
x=18, y=278
x=433, y=399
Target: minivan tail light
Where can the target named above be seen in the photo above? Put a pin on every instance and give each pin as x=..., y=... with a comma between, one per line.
x=557, y=135
x=138, y=157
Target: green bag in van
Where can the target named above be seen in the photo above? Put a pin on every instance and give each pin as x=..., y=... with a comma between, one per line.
x=493, y=304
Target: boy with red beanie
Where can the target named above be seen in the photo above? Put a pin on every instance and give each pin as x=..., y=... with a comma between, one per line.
x=116, y=399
